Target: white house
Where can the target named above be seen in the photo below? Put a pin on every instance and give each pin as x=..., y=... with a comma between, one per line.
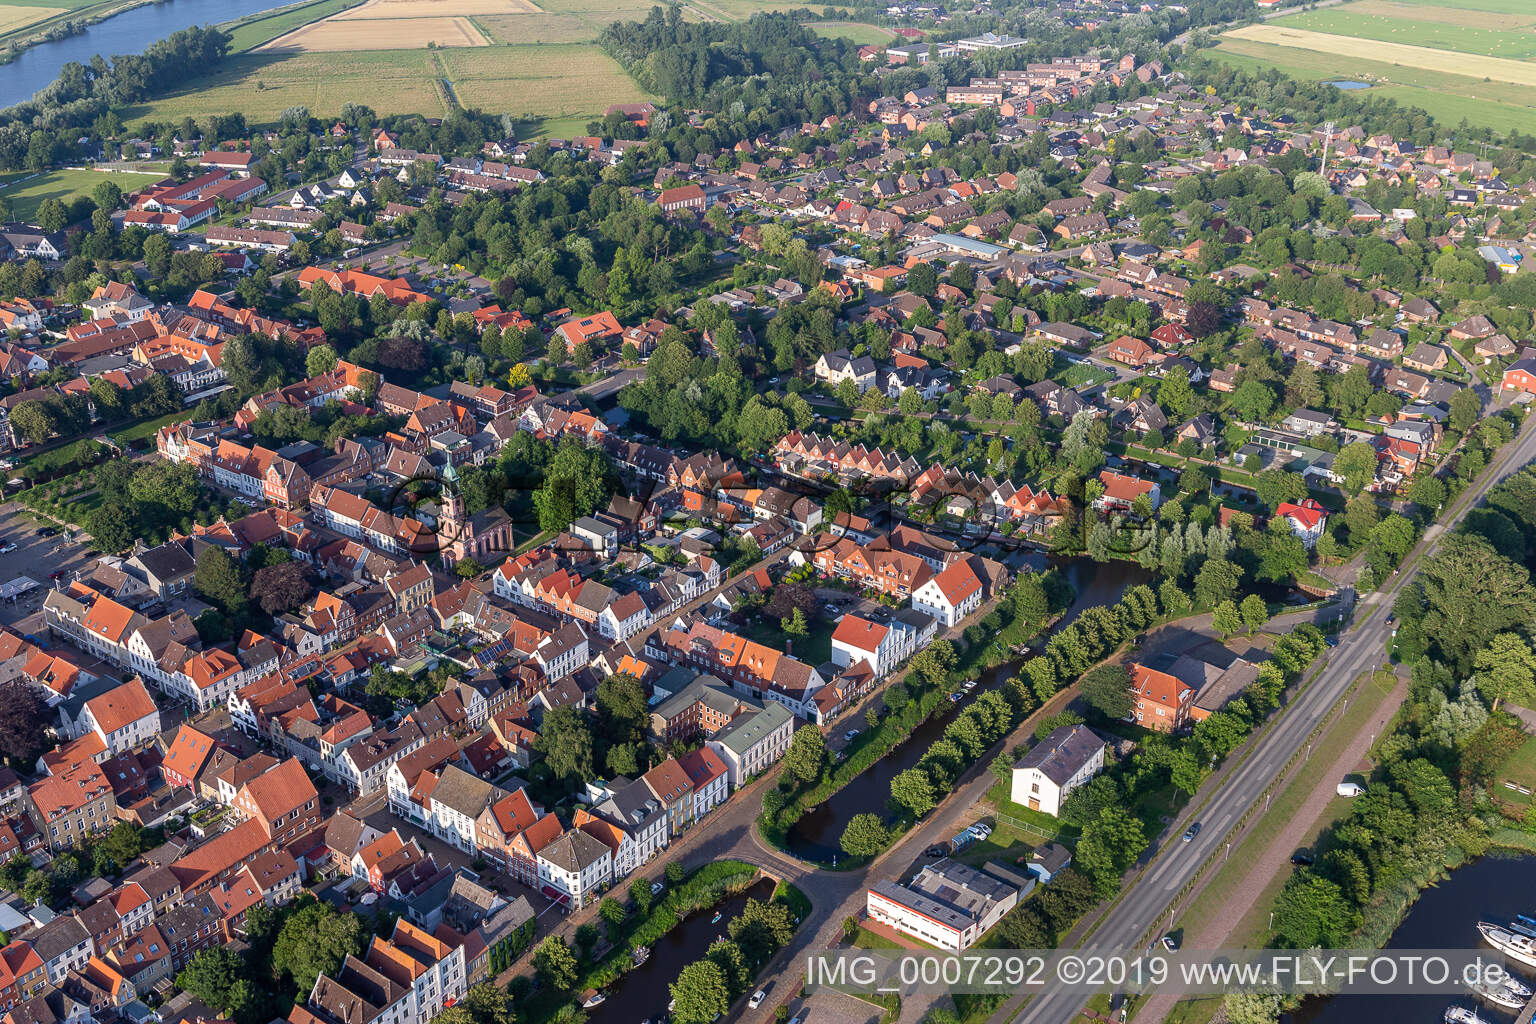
x=576, y=865
x=857, y=639
x=951, y=595
x=836, y=367
x=1054, y=767
x=1307, y=520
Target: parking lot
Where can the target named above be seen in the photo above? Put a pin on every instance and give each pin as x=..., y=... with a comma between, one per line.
x=35, y=556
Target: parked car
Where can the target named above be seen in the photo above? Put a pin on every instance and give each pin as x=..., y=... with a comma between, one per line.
x=757, y=999
x=936, y=851
x=1349, y=789
x=656, y=888
x=7, y=548
x=850, y=734
x=1191, y=832
x=1301, y=858
x=47, y=531
x=1170, y=943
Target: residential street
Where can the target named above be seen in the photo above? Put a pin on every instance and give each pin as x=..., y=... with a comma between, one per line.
x=1147, y=897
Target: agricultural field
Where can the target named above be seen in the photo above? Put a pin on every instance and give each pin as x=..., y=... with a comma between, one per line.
x=526, y=58
x=1474, y=61
x=15, y=16
x=855, y=32
x=572, y=84
x=250, y=33
x=334, y=36
x=26, y=192
x=263, y=85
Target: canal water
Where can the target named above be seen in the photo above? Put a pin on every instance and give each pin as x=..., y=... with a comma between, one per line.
x=643, y=993
x=816, y=835
x=130, y=32
x=1445, y=916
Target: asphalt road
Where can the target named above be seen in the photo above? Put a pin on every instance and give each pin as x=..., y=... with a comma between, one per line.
x=1147, y=901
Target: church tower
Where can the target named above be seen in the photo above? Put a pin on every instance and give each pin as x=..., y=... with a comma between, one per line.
x=455, y=530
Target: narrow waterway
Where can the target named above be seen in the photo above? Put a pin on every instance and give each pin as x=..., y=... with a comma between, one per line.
x=1445, y=917
x=643, y=993
x=815, y=836
x=130, y=32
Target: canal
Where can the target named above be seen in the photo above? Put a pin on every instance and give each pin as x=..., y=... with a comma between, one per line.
x=1445, y=916
x=130, y=32
x=643, y=993
x=815, y=836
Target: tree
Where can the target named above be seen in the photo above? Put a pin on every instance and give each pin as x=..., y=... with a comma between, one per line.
x=1226, y=619
x=1215, y=582
x=1109, y=845
x=1175, y=394
x=1255, y=612
x=700, y=994
x=211, y=975
x=565, y=740
x=33, y=422
x=1312, y=911
x=577, y=481
x=640, y=893
x=321, y=359
x=865, y=835
x=1465, y=410
x=556, y=964
x=1506, y=670
x=279, y=588
x=794, y=623
x=1108, y=689
x=761, y=929
x=218, y=579
x=912, y=793
x=1355, y=465
x=1361, y=516
x=621, y=708
x=1471, y=594
x=806, y=756
x=314, y=940
x=612, y=913
x=110, y=526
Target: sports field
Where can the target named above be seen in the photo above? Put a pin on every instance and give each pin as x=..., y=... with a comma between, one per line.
x=27, y=192
x=1475, y=60
x=855, y=32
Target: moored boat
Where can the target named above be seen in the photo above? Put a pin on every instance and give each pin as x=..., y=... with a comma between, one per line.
x=1461, y=1015
x=1512, y=944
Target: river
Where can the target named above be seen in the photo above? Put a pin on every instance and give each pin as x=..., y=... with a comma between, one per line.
x=1445, y=916
x=816, y=835
x=643, y=993
x=130, y=32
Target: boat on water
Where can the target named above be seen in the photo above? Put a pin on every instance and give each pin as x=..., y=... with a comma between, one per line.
x=592, y=997
x=1507, y=992
x=641, y=955
x=1517, y=947
x=1524, y=925
x=716, y=918
x=1461, y=1015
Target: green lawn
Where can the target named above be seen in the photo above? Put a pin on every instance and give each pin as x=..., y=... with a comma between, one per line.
x=813, y=649
x=867, y=939
x=27, y=195
x=1519, y=768
x=858, y=33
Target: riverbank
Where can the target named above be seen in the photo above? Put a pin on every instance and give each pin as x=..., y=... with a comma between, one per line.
x=933, y=681
x=704, y=889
